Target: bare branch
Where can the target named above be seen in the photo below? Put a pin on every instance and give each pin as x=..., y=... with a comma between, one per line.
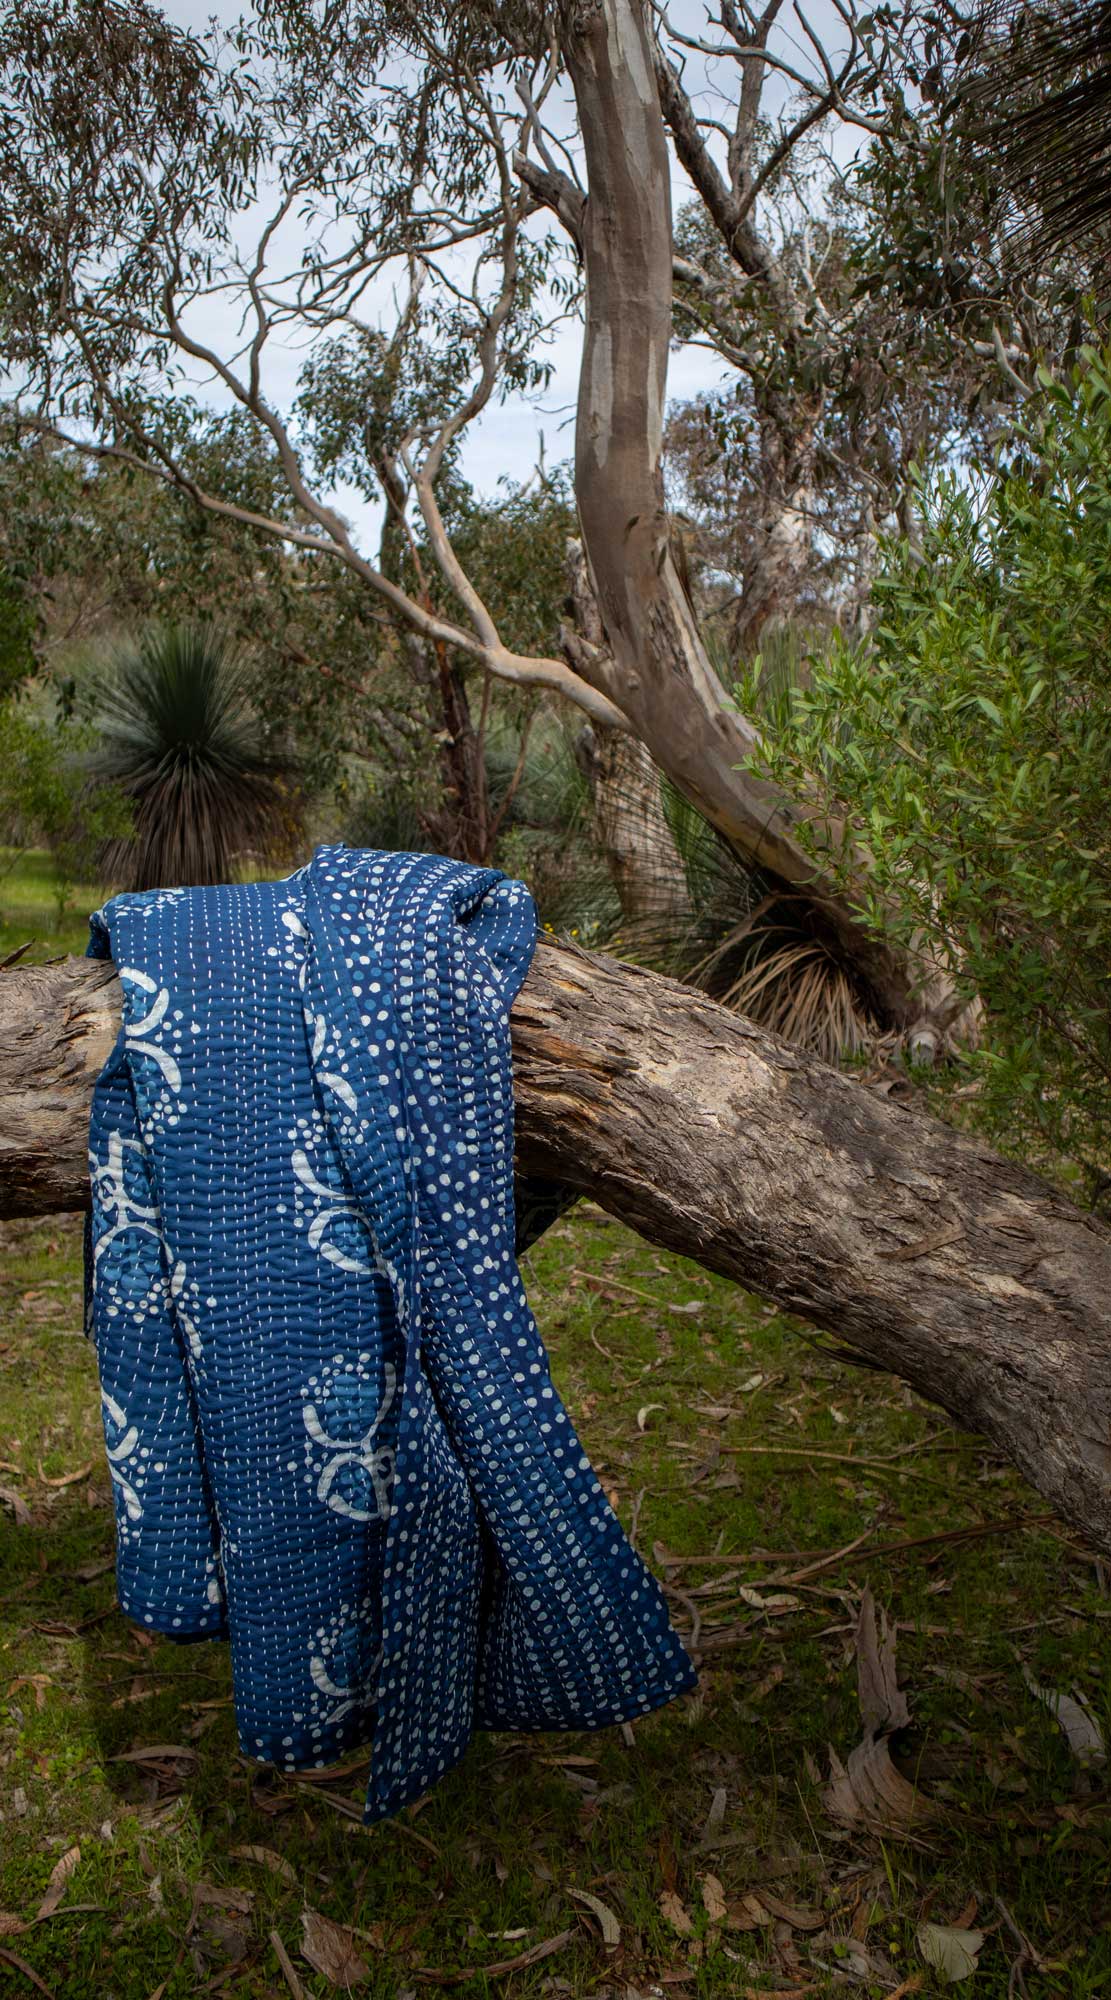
x=521, y=670
x=551, y=188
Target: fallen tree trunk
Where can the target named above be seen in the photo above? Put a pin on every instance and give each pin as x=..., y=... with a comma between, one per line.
x=981, y=1286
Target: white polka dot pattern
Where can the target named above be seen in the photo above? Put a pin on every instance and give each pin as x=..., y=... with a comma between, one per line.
x=329, y=1415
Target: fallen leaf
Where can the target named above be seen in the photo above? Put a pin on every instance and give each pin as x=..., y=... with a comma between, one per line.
x=674, y=1912
x=329, y=1948
x=56, y=1887
x=791, y=1913
x=690, y=1307
x=1082, y=1731
x=209, y=1895
x=10, y=1926
x=154, y=1753
x=581, y=1781
x=266, y=1858
x=18, y=1506
x=868, y=1963
x=607, y=1922
x=868, y=1791
x=40, y=1683
x=330, y=1773
x=952, y=1953
x=747, y=1914
x=645, y=1412
x=222, y=1935
x=774, y=1600
x=67, y=1478
x=713, y=1898
x=140, y=1694
x=771, y=1680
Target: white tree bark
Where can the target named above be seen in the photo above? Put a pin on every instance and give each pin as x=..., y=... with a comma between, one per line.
x=657, y=668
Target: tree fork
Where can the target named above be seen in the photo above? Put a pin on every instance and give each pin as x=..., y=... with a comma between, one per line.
x=661, y=676
x=975, y=1282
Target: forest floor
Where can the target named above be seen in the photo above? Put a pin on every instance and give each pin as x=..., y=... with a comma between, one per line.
x=775, y=1491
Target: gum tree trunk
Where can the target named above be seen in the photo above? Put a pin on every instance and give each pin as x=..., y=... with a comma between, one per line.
x=630, y=824
x=657, y=670
x=982, y=1287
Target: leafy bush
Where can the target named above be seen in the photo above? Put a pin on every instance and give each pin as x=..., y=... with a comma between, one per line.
x=178, y=736
x=969, y=745
x=46, y=798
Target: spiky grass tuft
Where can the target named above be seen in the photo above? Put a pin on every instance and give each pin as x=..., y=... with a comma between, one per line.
x=1036, y=101
x=179, y=736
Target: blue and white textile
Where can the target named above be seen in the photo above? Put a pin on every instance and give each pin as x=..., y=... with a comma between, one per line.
x=330, y=1423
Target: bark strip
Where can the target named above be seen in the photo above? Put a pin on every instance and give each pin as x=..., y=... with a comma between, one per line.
x=978, y=1284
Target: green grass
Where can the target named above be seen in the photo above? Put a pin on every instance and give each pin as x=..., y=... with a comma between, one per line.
x=673, y=1376
x=29, y=911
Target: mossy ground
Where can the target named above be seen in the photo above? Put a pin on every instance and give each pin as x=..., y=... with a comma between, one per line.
x=722, y=1433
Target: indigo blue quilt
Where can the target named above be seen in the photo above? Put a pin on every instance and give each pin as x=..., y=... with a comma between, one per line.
x=329, y=1416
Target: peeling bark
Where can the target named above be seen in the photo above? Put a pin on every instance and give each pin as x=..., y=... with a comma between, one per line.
x=630, y=824
x=978, y=1284
x=630, y=827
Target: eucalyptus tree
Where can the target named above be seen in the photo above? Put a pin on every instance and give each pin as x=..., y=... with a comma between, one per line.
x=403, y=195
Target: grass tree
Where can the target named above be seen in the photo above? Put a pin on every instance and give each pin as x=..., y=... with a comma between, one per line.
x=179, y=738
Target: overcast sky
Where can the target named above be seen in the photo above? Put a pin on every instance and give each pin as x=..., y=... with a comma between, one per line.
x=505, y=441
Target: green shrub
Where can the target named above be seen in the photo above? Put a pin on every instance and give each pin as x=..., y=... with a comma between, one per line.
x=47, y=799
x=968, y=743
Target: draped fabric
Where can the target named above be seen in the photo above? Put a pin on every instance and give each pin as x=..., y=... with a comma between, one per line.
x=329, y=1416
